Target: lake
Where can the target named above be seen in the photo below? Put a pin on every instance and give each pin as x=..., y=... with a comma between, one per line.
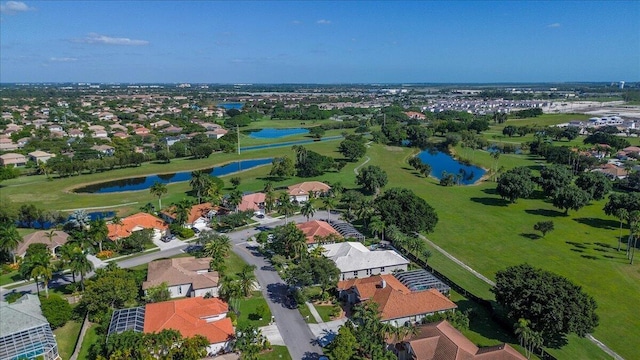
x=231, y=105
x=145, y=182
x=440, y=162
x=271, y=133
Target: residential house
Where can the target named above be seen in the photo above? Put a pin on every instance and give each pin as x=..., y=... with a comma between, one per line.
x=172, y=130
x=625, y=153
x=53, y=240
x=100, y=134
x=612, y=171
x=255, y=202
x=193, y=316
x=216, y=134
x=318, y=231
x=104, y=149
x=6, y=144
x=142, y=131
x=303, y=191
x=55, y=128
x=415, y=115
x=187, y=276
x=76, y=133
x=356, y=261
x=441, y=341
x=24, y=332
x=170, y=140
x=199, y=215
x=40, y=156
x=396, y=303
x=12, y=159
x=160, y=124
x=137, y=222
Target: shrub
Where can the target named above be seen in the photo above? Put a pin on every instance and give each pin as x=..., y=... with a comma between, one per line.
x=56, y=309
x=104, y=254
x=183, y=232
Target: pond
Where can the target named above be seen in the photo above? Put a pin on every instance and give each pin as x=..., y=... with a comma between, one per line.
x=271, y=133
x=231, y=105
x=145, y=182
x=440, y=162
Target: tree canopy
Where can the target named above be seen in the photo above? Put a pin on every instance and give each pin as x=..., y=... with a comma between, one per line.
x=554, y=305
x=372, y=178
x=404, y=209
x=515, y=184
x=353, y=147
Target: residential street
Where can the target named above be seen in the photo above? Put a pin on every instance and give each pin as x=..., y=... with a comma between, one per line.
x=295, y=332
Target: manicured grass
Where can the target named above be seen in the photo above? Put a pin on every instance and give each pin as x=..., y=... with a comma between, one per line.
x=306, y=314
x=277, y=353
x=9, y=278
x=324, y=311
x=488, y=234
x=89, y=339
x=234, y=264
x=248, y=308
x=66, y=338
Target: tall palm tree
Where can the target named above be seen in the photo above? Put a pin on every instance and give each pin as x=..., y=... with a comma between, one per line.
x=9, y=238
x=329, y=204
x=301, y=153
x=50, y=234
x=213, y=193
x=377, y=226
x=269, y=201
x=230, y=291
x=307, y=209
x=317, y=251
x=268, y=187
x=66, y=253
x=247, y=278
x=158, y=189
x=98, y=231
x=634, y=219
x=234, y=199
x=182, y=209
x=43, y=270
x=365, y=211
x=285, y=206
x=621, y=213
x=199, y=181
x=80, y=264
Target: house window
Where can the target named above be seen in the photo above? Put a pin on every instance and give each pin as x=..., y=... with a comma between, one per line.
x=179, y=289
x=368, y=271
x=382, y=269
x=355, y=273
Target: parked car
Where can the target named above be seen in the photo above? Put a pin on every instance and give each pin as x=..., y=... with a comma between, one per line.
x=195, y=230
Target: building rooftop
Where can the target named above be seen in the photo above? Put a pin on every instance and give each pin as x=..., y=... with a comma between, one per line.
x=179, y=271
x=353, y=256
x=316, y=228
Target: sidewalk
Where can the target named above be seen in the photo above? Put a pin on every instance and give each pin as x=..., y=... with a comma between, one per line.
x=272, y=334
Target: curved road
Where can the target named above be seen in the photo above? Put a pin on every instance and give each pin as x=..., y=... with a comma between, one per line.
x=295, y=332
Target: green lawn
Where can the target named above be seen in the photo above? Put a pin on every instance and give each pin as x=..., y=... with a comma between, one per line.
x=306, y=314
x=9, y=278
x=248, y=315
x=277, y=353
x=480, y=229
x=89, y=339
x=66, y=338
x=324, y=311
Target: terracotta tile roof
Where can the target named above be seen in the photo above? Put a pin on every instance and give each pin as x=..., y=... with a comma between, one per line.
x=307, y=187
x=190, y=316
x=314, y=228
x=394, y=299
x=441, y=341
x=135, y=222
x=40, y=237
x=196, y=212
x=251, y=201
x=179, y=271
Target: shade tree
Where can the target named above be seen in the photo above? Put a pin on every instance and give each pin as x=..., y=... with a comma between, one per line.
x=407, y=211
x=595, y=183
x=570, y=197
x=515, y=184
x=372, y=178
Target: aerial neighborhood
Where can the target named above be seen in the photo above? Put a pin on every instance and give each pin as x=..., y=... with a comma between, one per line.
x=319, y=222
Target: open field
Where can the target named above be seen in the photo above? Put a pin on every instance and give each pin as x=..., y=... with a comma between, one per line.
x=475, y=226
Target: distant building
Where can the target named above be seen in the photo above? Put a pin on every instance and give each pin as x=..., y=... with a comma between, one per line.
x=24, y=332
x=13, y=159
x=186, y=276
x=303, y=191
x=40, y=156
x=136, y=222
x=356, y=261
x=57, y=239
x=255, y=202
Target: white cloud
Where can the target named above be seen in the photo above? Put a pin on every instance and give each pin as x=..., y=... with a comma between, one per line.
x=93, y=38
x=63, y=59
x=13, y=7
x=554, y=25
x=323, y=22
x=296, y=22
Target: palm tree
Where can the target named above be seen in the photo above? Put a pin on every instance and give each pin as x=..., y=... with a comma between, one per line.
x=364, y=212
x=285, y=206
x=634, y=219
x=317, y=251
x=42, y=269
x=621, y=213
x=268, y=187
x=299, y=248
x=79, y=219
x=44, y=169
x=9, y=239
x=247, y=278
x=66, y=252
x=234, y=199
x=80, y=264
x=199, y=181
x=377, y=226
x=213, y=193
x=117, y=221
x=307, y=209
x=158, y=189
x=181, y=211
x=50, y=234
x=98, y=231
x=329, y=204
x=269, y=201
x=230, y=291
x=301, y=153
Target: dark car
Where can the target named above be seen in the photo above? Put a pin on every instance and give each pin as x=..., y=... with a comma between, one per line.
x=195, y=230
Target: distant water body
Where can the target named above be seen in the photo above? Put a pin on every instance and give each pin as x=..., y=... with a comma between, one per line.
x=441, y=162
x=271, y=133
x=145, y=182
x=231, y=105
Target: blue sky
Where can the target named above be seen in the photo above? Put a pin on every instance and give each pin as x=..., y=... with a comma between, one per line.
x=319, y=42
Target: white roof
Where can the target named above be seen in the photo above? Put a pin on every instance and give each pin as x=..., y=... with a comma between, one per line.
x=352, y=256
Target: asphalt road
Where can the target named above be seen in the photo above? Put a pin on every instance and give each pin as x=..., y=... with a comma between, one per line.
x=294, y=330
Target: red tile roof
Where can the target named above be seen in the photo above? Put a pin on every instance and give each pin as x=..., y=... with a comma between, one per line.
x=394, y=299
x=314, y=228
x=251, y=201
x=136, y=221
x=196, y=212
x=441, y=341
x=189, y=316
x=307, y=187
